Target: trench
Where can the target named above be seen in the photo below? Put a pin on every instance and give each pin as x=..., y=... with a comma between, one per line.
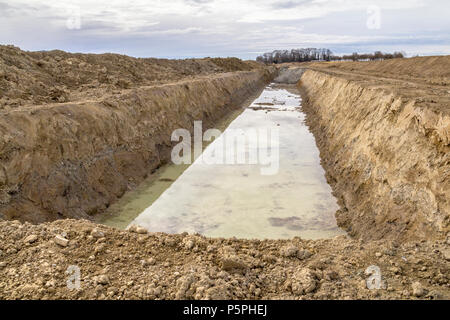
x=270, y=186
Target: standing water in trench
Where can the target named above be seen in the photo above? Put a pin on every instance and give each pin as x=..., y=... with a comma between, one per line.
x=236, y=199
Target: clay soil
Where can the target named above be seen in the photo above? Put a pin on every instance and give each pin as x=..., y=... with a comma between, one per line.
x=383, y=129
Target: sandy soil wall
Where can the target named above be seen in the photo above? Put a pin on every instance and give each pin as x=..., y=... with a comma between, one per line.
x=386, y=157
x=74, y=159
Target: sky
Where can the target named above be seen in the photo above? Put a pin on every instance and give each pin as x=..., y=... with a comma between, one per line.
x=222, y=28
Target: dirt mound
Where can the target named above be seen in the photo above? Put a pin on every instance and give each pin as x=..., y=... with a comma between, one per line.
x=433, y=70
x=42, y=262
x=234, y=64
x=57, y=76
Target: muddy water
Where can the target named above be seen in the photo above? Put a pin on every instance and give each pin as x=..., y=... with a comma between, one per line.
x=237, y=199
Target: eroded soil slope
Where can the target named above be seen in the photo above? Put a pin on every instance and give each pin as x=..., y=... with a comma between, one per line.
x=383, y=129
x=73, y=159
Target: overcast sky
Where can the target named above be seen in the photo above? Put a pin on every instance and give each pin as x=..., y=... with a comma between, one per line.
x=242, y=28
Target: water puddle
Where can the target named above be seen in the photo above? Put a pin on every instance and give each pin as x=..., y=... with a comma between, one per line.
x=237, y=200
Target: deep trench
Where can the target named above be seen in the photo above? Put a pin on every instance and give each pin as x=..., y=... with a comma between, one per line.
x=281, y=193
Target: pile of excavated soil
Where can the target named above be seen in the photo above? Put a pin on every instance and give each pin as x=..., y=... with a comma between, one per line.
x=42, y=261
x=432, y=70
x=73, y=157
x=28, y=78
x=423, y=79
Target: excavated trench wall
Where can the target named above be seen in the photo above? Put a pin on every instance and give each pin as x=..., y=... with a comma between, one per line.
x=386, y=158
x=74, y=159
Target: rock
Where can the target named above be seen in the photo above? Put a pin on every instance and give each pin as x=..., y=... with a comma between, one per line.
x=148, y=262
x=137, y=229
x=63, y=242
x=189, y=244
x=396, y=270
x=446, y=254
x=303, y=254
x=303, y=281
x=289, y=251
x=141, y=230
x=232, y=262
x=99, y=248
x=418, y=290
x=102, y=279
x=378, y=254
x=31, y=238
x=183, y=285
x=97, y=233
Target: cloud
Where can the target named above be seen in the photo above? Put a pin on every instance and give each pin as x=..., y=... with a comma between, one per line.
x=180, y=28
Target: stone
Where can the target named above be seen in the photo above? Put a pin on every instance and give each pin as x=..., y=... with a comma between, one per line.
x=189, y=244
x=137, y=229
x=183, y=284
x=63, y=242
x=31, y=238
x=141, y=230
x=446, y=254
x=103, y=279
x=418, y=290
x=97, y=233
x=396, y=270
x=303, y=281
x=303, y=254
x=289, y=251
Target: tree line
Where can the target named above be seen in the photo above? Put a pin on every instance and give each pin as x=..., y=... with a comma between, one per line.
x=321, y=54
